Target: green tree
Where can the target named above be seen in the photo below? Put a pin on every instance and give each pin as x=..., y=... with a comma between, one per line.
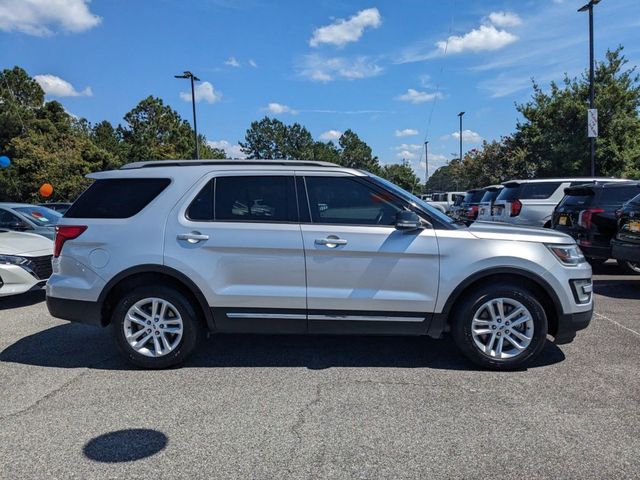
x=264, y=139
x=20, y=98
x=402, y=174
x=554, y=135
x=357, y=154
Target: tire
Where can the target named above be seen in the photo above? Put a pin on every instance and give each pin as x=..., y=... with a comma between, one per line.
x=181, y=331
x=630, y=268
x=513, y=297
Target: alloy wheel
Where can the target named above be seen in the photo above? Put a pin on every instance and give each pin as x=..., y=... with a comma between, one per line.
x=153, y=327
x=502, y=328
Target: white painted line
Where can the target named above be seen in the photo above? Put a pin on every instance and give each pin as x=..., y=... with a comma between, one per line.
x=619, y=324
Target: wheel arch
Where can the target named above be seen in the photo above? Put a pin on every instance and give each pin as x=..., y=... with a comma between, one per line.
x=548, y=297
x=141, y=274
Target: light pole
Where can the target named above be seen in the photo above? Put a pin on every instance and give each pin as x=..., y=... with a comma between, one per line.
x=426, y=164
x=592, y=134
x=461, y=114
x=193, y=78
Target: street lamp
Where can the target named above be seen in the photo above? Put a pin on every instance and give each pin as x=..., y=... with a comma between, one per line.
x=461, y=114
x=193, y=78
x=592, y=132
x=426, y=164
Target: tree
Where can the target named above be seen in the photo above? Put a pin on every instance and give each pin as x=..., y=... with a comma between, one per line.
x=356, y=153
x=553, y=132
x=20, y=98
x=402, y=175
x=264, y=139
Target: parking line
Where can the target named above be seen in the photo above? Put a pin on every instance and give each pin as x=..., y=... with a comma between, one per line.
x=619, y=324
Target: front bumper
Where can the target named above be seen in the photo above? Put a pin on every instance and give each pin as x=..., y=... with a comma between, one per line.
x=15, y=280
x=570, y=323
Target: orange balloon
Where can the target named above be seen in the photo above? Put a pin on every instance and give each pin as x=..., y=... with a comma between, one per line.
x=46, y=189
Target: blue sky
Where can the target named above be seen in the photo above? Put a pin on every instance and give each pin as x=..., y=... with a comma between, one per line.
x=396, y=72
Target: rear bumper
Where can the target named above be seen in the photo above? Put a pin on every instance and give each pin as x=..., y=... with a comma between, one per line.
x=89, y=313
x=570, y=323
x=625, y=251
x=595, y=251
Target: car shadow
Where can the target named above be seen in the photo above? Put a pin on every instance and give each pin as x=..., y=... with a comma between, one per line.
x=80, y=346
x=125, y=445
x=624, y=288
x=22, y=300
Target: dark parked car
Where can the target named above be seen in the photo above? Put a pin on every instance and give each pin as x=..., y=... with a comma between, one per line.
x=588, y=213
x=59, y=207
x=626, y=244
x=468, y=211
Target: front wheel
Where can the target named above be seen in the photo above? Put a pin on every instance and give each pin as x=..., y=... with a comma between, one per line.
x=501, y=327
x=155, y=326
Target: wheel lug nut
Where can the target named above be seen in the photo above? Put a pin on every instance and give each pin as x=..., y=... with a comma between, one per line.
x=498, y=334
x=506, y=323
x=493, y=327
x=162, y=325
x=148, y=322
x=157, y=333
x=507, y=331
x=148, y=330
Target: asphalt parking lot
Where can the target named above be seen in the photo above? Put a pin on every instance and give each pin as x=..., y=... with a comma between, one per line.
x=320, y=407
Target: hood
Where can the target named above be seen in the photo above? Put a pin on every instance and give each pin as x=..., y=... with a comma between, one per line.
x=19, y=243
x=501, y=231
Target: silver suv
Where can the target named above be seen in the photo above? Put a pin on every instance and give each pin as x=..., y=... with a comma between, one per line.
x=164, y=250
x=531, y=202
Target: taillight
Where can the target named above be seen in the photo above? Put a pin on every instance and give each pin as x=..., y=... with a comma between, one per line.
x=586, y=216
x=516, y=207
x=472, y=212
x=64, y=233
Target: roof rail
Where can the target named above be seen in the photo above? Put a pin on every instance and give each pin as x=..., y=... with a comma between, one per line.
x=213, y=163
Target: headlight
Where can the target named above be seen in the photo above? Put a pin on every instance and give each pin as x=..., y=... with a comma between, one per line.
x=567, y=254
x=13, y=260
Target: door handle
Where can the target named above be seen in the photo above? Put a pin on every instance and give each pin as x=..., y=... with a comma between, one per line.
x=193, y=237
x=331, y=241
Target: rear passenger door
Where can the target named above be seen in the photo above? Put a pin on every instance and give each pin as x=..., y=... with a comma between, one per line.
x=237, y=236
x=364, y=275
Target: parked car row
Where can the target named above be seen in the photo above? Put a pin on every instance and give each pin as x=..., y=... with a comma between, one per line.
x=599, y=213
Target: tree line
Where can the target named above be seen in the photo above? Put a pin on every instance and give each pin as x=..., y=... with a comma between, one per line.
x=551, y=138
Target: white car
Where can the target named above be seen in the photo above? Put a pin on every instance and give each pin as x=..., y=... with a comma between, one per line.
x=25, y=262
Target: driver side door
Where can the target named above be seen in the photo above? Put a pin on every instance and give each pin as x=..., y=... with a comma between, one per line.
x=364, y=275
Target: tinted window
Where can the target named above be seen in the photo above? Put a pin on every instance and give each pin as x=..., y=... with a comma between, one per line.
x=509, y=193
x=338, y=200
x=538, y=191
x=8, y=219
x=473, y=197
x=40, y=215
x=489, y=196
x=116, y=198
x=619, y=194
x=251, y=199
x=201, y=207
x=575, y=200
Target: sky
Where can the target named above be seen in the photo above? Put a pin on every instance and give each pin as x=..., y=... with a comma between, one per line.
x=397, y=72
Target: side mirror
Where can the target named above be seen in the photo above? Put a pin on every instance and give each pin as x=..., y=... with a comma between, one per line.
x=406, y=220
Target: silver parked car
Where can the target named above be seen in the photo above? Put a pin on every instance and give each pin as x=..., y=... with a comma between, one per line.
x=485, y=212
x=531, y=202
x=23, y=217
x=162, y=251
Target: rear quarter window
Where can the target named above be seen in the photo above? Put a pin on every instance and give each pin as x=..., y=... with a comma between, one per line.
x=538, y=191
x=117, y=197
x=619, y=195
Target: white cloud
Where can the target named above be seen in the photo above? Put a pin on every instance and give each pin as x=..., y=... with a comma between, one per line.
x=467, y=136
x=331, y=135
x=505, y=19
x=204, y=92
x=484, y=38
x=408, y=151
x=232, y=150
x=44, y=17
x=279, y=108
x=416, y=96
x=232, y=62
x=344, y=31
x=323, y=69
x=57, y=87
x=252, y=63
x=407, y=132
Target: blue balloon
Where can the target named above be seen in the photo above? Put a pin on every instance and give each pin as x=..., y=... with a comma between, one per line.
x=4, y=162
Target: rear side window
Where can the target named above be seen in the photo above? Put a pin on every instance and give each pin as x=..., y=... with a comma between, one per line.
x=474, y=197
x=619, y=195
x=117, y=197
x=509, y=193
x=489, y=196
x=529, y=191
x=255, y=199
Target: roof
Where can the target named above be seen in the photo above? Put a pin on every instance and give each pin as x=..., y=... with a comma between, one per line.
x=628, y=183
x=567, y=179
x=215, y=163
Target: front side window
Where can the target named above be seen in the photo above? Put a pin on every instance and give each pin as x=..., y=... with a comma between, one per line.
x=9, y=220
x=255, y=199
x=342, y=200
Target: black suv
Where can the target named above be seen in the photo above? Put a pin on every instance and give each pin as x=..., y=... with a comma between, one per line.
x=470, y=205
x=626, y=245
x=588, y=213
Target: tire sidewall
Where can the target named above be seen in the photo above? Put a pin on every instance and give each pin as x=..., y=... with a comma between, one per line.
x=190, y=326
x=463, y=318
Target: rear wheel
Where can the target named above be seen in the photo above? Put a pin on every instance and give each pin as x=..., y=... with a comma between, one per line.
x=501, y=327
x=155, y=326
x=630, y=268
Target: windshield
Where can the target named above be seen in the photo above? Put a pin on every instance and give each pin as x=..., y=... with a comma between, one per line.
x=40, y=215
x=410, y=197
